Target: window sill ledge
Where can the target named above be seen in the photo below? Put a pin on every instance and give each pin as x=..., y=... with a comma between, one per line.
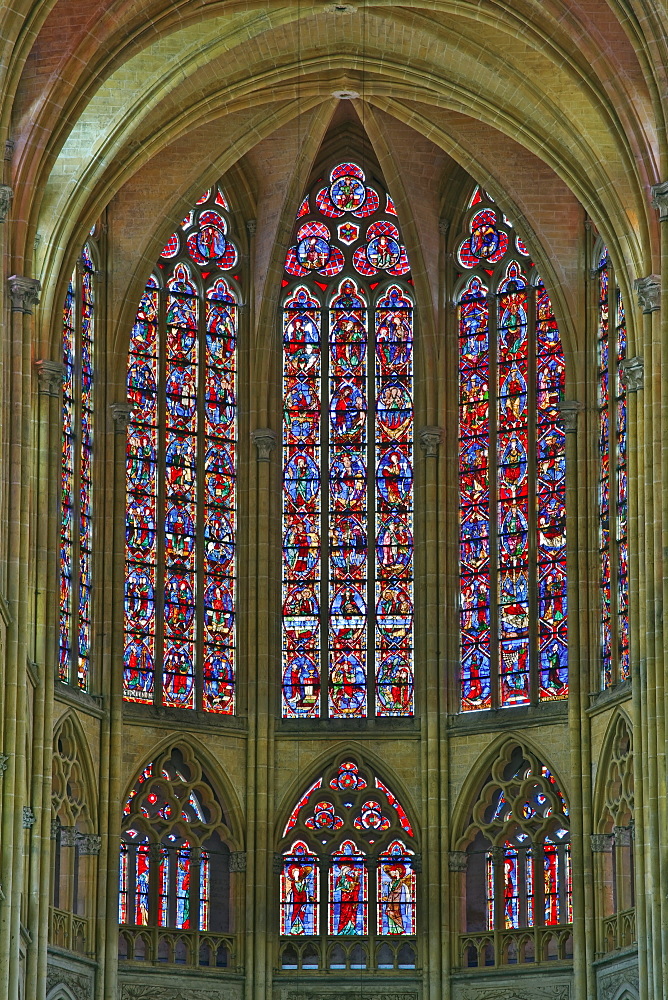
x=511, y=718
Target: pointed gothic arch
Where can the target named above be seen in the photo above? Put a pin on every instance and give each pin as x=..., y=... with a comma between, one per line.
x=511, y=868
x=348, y=866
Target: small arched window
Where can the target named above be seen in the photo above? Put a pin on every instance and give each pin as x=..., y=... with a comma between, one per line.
x=517, y=866
x=76, y=525
x=613, y=478
x=74, y=846
x=513, y=613
x=180, y=584
x=348, y=870
x=613, y=841
x=347, y=456
x=175, y=864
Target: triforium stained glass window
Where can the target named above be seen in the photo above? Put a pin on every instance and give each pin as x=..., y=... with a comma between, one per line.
x=347, y=456
x=518, y=864
x=174, y=858
x=349, y=865
x=612, y=480
x=180, y=585
x=512, y=533
x=76, y=528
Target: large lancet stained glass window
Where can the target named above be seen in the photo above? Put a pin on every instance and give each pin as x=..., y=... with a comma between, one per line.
x=349, y=864
x=513, y=611
x=347, y=456
x=181, y=471
x=613, y=478
x=76, y=532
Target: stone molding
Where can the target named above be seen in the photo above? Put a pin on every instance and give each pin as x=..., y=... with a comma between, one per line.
x=430, y=440
x=601, y=843
x=632, y=373
x=532, y=991
x=367, y=995
x=50, y=377
x=121, y=414
x=176, y=992
x=237, y=861
x=89, y=843
x=660, y=200
x=648, y=291
x=6, y=195
x=264, y=440
x=28, y=818
x=568, y=414
x=79, y=986
x=24, y=293
x=458, y=861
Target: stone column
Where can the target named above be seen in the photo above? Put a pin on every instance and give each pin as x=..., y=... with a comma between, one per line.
x=24, y=294
x=49, y=431
x=106, y=929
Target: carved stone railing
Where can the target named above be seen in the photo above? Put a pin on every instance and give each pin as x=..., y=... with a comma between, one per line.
x=526, y=946
x=619, y=930
x=67, y=930
x=166, y=946
x=394, y=954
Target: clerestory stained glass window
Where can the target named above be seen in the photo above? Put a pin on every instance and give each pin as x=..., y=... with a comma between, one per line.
x=76, y=527
x=180, y=589
x=349, y=869
x=347, y=456
x=513, y=608
x=612, y=480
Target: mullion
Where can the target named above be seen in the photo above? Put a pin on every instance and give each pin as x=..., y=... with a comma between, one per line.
x=613, y=547
x=494, y=657
x=532, y=495
x=76, y=475
x=160, y=505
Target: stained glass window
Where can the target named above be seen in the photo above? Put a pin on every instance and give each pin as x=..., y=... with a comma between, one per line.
x=76, y=532
x=518, y=852
x=349, y=864
x=347, y=457
x=173, y=859
x=180, y=600
x=513, y=613
x=613, y=479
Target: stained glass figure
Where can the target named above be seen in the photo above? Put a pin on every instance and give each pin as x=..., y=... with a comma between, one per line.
x=396, y=890
x=348, y=891
x=300, y=890
x=348, y=420
x=513, y=614
x=76, y=527
x=180, y=602
x=612, y=479
x=340, y=816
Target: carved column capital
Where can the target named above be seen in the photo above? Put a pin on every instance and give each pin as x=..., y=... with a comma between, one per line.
x=622, y=835
x=9, y=148
x=89, y=843
x=121, y=414
x=251, y=226
x=277, y=864
x=264, y=440
x=458, y=861
x=55, y=828
x=237, y=861
x=568, y=414
x=68, y=836
x=24, y=293
x=430, y=440
x=444, y=226
x=28, y=817
x=6, y=195
x=648, y=291
x=4, y=761
x=660, y=200
x=601, y=843
x=50, y=377
x=632, y=373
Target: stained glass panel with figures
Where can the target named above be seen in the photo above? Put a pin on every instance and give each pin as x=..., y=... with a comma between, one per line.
x=180, y=606
x=513, y=613
x=347, y=457
x=76, y=528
